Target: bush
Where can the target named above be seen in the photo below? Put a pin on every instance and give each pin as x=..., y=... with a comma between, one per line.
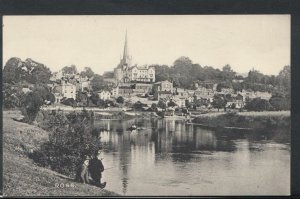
x=258, y=104
x=120, y=100
x=280, y=103
x=68, y=102
x=71, y=137
x=31, y=106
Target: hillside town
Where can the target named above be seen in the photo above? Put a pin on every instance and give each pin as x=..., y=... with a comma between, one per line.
x=137, y=83
x=141, y=87
x=200, y=102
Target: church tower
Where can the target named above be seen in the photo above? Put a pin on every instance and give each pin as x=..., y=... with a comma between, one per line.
x=126, y=60
x=122, y=73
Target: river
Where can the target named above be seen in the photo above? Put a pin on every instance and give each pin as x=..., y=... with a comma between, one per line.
x=169, y=157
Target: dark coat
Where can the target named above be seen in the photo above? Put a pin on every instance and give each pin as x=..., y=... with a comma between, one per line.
x=96, y=168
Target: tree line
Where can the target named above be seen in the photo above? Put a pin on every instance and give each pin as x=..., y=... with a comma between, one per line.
x=18, y=74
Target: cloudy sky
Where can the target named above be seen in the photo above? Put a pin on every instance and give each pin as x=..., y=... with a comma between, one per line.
x=243, y=41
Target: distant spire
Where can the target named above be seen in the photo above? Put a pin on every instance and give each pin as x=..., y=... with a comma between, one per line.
x=125, y=53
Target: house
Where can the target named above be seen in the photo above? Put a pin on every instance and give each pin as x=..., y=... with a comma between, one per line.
x=142, y=88
x=125, y=91
x=204, y=93
x=236, y=101
x=180, y=101
x=164, y=95
x=181, y=93
x=104, y=95
x=126, y=72
x=115, y=91
x=163, y=87
x=66, y=90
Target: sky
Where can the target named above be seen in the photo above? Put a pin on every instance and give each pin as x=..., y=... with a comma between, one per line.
x=244, y=42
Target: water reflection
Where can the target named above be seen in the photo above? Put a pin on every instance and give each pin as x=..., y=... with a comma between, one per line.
x=171, y=157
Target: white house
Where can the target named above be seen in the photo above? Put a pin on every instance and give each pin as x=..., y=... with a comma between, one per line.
x=66, y=90
x=104, y=95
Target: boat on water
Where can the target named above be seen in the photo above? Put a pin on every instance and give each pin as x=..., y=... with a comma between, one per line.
x=134, y=127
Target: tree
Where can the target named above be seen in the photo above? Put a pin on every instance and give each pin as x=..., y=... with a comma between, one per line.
x=10, y=74
x=188, y=104
x=94, y=98
x=139, y=106
x=31, y=106
x=98, y=83
x=88, y=72
x=161, y=104
x=219, y=102
x=258, y=104
x=81, y=98
x=71, y=137
x=12, y=96
x=162, y=72
x=120, y=100
x=228, y=73
x=44, y=92
x=39, y=74
x=70, y=69
x=28, y=71
x=284, y=80
x=153, y=106
x=279, y=102
x=172, y=104
x=68, y=101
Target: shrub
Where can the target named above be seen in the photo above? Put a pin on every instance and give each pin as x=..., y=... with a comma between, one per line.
x=71, y=137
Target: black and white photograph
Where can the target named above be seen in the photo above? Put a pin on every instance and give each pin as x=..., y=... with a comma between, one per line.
x=146, y=105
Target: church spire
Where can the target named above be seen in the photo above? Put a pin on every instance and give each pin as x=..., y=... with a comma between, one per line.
x=125, y=53
x=126, y=59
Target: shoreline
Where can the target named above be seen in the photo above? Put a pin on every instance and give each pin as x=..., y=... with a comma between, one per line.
x=245, y=120
x=22, y=177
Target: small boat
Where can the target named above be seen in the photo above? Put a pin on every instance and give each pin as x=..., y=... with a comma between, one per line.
x=133, y=127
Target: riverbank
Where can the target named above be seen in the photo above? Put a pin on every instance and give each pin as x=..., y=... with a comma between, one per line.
x=21, y=177
x=246, y=120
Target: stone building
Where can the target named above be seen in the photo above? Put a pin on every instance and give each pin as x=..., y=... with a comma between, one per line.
x=127, y=72
x=64, y=90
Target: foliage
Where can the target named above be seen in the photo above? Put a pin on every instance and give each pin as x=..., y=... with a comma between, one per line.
x=161, y=104
x=98, y=83
x=71, y=137
x=228, y=73
x=188, y=104
x=44, y=92
x=94, y=98
x=70, y=69
x=10, y=74
x=29, y=71
x=88, y=72
x=31, y=106
x=154, y=107
x=120, y=100
x=139, y=106
x=172, y=104
x=279, y=102
x=219, y=102
x=81, y=98
x=68, y=101
x=12, y=96
x=258, y=104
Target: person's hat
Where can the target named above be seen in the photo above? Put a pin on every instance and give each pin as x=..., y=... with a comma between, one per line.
x=98, y=152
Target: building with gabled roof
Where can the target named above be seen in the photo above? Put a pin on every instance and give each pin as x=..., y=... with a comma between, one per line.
x=126, y=72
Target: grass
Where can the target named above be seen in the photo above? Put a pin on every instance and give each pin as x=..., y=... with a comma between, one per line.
x=254, y=120
x=21, y=177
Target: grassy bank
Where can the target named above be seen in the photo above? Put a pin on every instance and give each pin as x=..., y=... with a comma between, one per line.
x=21, y=177
x=254, y=120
